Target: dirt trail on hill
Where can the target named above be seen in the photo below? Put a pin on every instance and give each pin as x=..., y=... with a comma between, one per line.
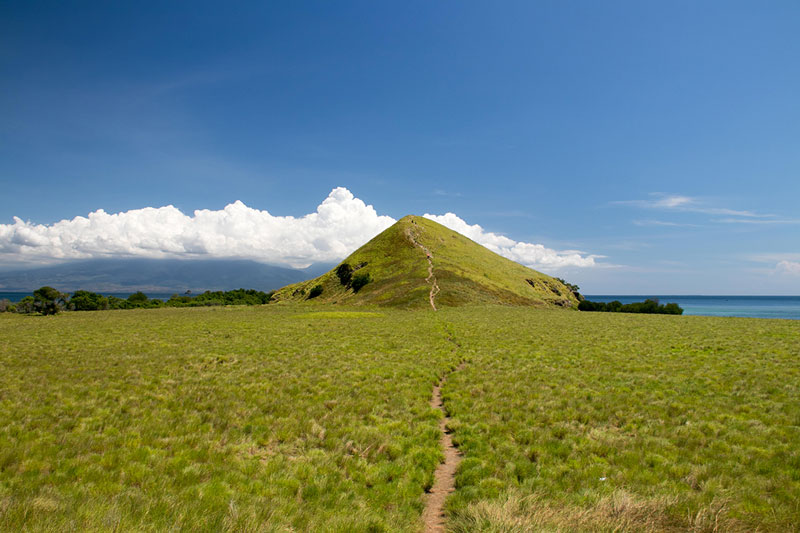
x=444, y=480
x=431, y=277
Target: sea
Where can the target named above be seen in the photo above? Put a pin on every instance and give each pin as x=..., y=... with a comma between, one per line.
x=743, y=306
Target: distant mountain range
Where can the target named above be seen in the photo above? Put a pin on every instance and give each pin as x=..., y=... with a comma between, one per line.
x=157, y=275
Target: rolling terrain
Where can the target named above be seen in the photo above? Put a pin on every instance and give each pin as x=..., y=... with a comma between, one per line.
x=419, y=263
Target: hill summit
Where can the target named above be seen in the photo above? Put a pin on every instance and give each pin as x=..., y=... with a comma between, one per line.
x=419, y=263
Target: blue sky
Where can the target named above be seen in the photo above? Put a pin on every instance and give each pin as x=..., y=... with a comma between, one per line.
x=662, y=140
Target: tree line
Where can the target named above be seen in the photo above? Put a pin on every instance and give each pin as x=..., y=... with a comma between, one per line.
x=650, y=306
x=50, y=301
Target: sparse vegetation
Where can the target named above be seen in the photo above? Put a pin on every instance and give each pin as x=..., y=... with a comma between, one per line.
x=572, y=287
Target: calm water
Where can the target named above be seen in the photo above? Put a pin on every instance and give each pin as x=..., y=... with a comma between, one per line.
x=750, y=306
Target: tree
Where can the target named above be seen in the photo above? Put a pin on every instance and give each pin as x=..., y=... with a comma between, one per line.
x=49, y=301
x=138, y=298
x=88, y=301
x=345, y=273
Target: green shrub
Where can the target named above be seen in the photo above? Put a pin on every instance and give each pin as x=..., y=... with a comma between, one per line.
x=87, y=301
x=573, y=288
x=649, y=306
x=359, y=280
x=345, y=274
x=118, y=303
x=137, y=298
x=315, y=291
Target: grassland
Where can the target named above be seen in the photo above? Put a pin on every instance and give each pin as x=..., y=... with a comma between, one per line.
x=239, y=419
x=580, y=422
x=313, y=418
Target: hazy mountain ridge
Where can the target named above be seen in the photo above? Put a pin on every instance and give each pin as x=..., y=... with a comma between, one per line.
x=156, y=275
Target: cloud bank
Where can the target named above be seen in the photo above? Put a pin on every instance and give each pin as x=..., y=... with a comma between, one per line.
x=339, y=226
x=532, y=255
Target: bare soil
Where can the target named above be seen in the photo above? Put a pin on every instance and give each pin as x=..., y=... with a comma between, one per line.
x=431, y=277
x=444, y=482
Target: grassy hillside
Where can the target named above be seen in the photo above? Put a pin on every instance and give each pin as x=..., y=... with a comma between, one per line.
x=466, y=273
x=307, y=418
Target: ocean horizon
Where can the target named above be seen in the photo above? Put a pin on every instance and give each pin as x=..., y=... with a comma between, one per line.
x=786, y=307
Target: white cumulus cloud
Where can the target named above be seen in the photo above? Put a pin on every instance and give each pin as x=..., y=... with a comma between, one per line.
x=789, y=267
x=340, y=224
x=528, y=254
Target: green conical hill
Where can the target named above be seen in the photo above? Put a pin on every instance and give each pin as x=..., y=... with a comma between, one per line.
x=397, y=264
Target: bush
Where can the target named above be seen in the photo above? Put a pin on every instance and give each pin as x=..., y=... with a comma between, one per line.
x=315, y=291
x=573, y=288
x=213, y=298
x=25, y=306
x=587, y=305
x=88, y=301
x=118, y=303
x=359, y=280
x=137, y=298
x=345, y=273
x=6, y=306
x=649, y=306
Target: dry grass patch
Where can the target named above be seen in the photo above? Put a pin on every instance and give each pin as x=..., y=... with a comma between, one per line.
x=619, y=511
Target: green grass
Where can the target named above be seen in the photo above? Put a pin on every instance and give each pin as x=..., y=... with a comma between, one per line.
x=580, y=422
x=467, y=273
x=312, y=418
x=339, y=314
x=240, y=419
